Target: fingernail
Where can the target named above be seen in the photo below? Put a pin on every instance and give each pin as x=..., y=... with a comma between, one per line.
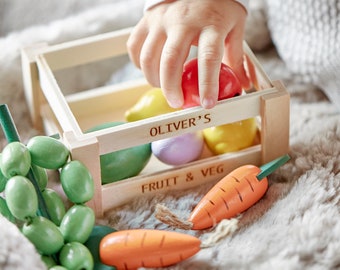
x=208, y=103
x=176, y=103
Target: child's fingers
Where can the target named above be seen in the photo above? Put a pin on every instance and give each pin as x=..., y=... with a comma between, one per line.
x=233, y=55
x=136, y=41
x=210, y=52
x=174, y=54
x=150, y=56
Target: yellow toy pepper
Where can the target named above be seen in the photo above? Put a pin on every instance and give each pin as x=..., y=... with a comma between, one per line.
x=150, y=104
x=231, y=137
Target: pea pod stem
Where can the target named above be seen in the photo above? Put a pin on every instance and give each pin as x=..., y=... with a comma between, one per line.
x=8, y=127
x=12, y=135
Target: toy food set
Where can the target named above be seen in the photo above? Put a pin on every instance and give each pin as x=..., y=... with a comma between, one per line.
x=133, y=143
x=69, y=238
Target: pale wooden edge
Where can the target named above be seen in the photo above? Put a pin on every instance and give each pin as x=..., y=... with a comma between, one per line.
x=86, y=50
x=275, y=119
x=55, y=97
x=256, y=73
x=31, y=84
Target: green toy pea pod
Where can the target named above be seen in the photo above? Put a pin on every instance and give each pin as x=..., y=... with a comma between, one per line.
x=48, y=261
x=76, y=256
x=40, y=175
x=44, y=235
x=5, y=211
x=15, y=160
x=3, y=179
x=77, y=182
x=77, y=224
x=21, y=197
x=55, y=205
x=57, y=267
x=48, y=152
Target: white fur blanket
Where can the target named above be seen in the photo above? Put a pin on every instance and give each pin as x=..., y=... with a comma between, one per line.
x=295, y=226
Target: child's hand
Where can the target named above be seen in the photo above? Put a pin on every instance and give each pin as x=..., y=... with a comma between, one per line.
x=161, y=41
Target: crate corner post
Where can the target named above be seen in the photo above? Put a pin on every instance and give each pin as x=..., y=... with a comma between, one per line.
x=275, y=118
x=31, y=84
x=87, y=151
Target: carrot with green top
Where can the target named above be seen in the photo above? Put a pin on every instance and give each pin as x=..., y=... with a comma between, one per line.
x=232, y=195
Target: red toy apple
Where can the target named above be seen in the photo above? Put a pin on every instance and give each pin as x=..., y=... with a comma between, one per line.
x=229, y=85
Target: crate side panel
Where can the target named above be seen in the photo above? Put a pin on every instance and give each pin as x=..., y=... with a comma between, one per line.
x=87, y=50
x=179, y=178
x=176, y=123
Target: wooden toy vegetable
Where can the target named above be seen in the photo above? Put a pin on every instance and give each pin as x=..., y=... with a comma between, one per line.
x=77, y=224
x=131, y=249
x=38, y=211
x=151, y=103
x=21, y=197
x=55, y=205
x=232, y=195
x=15, y=159
x=5, y=211
x=123, y=163
x=77, y=182
x=3, y=179
x=47, y=152
x=44, y=234
x=76, y=256
x=179, y=149
x=229, y=85
x=57, y=267
x=231, y=137
x=40, y=175
x=49, y=262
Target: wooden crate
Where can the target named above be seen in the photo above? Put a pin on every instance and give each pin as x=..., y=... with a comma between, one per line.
x=70, y=115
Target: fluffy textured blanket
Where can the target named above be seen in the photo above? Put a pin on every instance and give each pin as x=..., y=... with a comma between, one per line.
x=295, y=226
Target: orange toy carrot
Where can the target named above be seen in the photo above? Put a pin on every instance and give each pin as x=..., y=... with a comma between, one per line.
x=232, y=195
x=131, y=249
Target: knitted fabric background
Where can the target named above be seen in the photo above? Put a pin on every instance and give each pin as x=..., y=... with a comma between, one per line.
x=306, y=35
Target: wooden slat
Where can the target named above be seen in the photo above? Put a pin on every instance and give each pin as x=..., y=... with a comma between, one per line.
x=31, y=83
x=257, y=75
x=55, y=98
x=176, y=123
x=87, y=50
